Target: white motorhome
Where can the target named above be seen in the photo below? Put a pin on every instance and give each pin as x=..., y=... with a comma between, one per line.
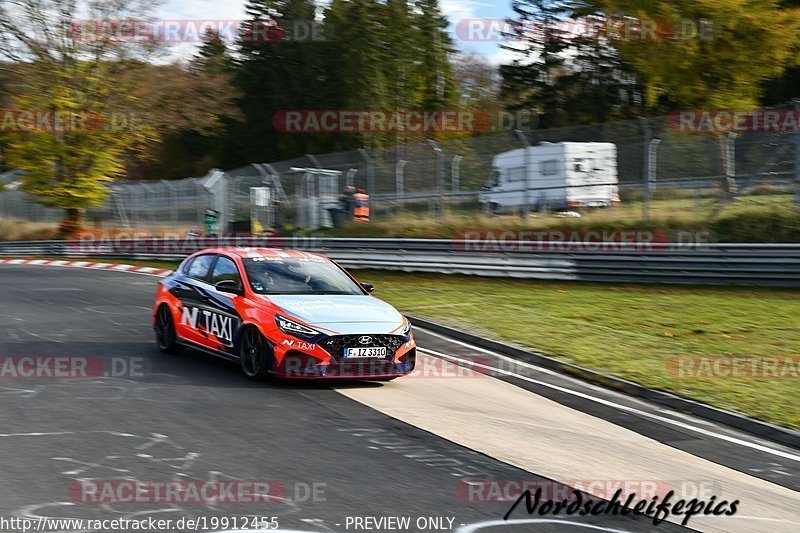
x=559, y=176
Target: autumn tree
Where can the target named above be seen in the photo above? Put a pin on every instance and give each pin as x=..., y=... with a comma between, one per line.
x=707, y=53
x=87, y=99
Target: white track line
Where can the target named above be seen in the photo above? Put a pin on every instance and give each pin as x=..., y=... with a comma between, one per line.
x=495, y=354
x=620, y=407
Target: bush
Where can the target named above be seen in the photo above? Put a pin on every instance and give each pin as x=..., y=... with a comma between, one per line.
x=22, y=230
x=757, y=225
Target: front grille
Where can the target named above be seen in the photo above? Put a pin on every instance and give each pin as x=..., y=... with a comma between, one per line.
x=336, y=344
x=375, y=367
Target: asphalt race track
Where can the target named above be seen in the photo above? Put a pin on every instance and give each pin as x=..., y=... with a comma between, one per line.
x=337, y=452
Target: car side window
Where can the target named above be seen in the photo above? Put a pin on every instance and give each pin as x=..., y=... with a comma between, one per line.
x=225, y=270
x=186, y=264
x=200, y=266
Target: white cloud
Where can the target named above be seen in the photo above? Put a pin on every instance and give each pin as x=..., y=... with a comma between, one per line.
x=456, y=10
x=502, y=56
x=201, y=10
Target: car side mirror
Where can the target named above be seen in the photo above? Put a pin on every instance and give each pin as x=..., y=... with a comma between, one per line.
x=369, y=287
x=228, y=285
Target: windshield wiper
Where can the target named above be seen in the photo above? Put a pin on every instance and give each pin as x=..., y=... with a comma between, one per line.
x=312, y=293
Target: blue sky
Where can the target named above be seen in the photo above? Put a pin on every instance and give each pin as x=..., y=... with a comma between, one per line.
x=464, y=10
x=455, y=10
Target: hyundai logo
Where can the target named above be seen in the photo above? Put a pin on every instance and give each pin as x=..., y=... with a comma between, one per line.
x=365, y=339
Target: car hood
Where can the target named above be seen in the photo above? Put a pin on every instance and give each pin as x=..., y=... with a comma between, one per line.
x=341, y=313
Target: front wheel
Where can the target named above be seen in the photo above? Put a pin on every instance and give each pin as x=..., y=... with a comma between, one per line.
x=166, y=338
x=253, y=354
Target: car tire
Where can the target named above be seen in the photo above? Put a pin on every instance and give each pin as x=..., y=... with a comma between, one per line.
x=255, y=354
x=166, y=337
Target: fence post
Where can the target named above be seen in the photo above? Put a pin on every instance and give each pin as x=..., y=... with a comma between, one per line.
x=399, y=183
x=730, y=164
x=455, y=177
x=527, y=193
x=399, y=179
x=648, y=138
x=455, y=173
x=214, y=177
x=652, y=170
x=350, y=177
x=173, y=202
x=151, y=191
x=439, y=177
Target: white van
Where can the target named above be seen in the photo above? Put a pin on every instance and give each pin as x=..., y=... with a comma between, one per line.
x=560, y=176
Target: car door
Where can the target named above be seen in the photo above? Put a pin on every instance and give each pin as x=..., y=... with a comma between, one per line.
x=222, y=319
x=192, y=288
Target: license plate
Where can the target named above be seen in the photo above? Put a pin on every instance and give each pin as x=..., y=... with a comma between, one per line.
x=365, y=352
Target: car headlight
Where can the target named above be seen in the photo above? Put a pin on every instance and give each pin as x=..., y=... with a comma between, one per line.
x=293, y=328
x=406, y=331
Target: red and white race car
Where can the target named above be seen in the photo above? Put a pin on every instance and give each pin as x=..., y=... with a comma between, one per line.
x=285, y=313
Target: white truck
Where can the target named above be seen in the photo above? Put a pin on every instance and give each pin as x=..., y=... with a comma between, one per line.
x=558, y=176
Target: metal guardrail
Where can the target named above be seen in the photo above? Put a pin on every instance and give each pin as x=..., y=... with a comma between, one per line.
x=718, y=264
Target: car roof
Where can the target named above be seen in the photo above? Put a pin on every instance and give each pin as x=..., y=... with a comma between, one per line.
x=280, y=253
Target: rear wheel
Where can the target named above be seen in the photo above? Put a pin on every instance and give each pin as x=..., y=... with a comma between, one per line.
x=166, y=338
x=253, y=354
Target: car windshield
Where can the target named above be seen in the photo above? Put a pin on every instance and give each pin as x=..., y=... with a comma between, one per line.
x=278, y=275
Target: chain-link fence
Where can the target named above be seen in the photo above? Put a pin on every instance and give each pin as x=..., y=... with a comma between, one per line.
x=654, y=159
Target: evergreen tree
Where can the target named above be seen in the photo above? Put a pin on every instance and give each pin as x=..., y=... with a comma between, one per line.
x=213, y=55
x=278, y=70
x=530, y=82
x=434, y=50
x=597, y=85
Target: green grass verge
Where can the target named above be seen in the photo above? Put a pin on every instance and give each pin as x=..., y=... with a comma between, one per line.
x=628, y=331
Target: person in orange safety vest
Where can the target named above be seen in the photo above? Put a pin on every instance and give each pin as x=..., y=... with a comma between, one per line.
x=361, y=211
